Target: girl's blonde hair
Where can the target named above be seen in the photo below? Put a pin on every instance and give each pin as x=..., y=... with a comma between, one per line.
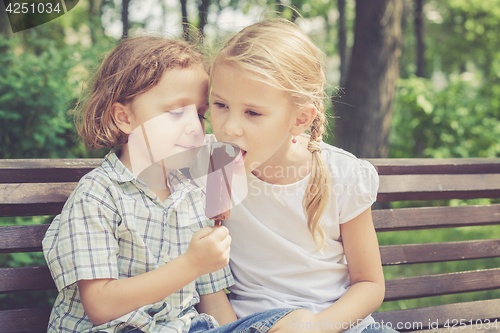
x=131, y=69
x=278, y=53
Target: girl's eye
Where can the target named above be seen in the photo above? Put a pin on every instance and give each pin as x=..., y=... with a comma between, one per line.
x=202, y=117
x=252, y=113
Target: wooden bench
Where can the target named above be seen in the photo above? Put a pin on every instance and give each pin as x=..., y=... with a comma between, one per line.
x=40, y=187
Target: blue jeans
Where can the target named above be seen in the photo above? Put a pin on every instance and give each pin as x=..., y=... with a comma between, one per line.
x=260, y=322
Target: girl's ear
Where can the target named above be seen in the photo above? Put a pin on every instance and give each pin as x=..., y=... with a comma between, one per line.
x=122, y=116
x=303, y=119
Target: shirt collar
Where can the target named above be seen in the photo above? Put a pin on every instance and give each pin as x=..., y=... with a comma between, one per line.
x=115, y=168
x=179, y=183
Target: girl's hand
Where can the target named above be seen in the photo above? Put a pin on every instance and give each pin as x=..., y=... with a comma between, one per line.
x=209, y=250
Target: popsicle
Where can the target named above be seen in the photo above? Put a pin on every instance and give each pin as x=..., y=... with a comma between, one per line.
x=219, y=178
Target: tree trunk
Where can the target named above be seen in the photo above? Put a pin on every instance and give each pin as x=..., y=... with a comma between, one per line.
x=125, y=18
x=295, y=5
x=419, y=34
x=95, y=20
x=279, y=7
x=185, y=22
x=365, y=112
x=342, y=41
x=5, y=29
x=202, y=14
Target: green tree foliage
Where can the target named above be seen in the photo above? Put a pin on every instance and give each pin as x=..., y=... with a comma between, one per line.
x=459, y=121
x=465, y=31
x=35, y=96
x=455, y=113
x=40, y=82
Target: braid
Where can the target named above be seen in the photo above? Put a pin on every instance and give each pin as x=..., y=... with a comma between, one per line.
x=318, y=189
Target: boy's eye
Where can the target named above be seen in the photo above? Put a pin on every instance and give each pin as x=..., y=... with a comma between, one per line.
x=202, y=117
x=220, y=105
x=177, y=113
x=252, y=113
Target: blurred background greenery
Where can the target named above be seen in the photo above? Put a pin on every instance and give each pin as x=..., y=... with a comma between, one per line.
x=444, y=103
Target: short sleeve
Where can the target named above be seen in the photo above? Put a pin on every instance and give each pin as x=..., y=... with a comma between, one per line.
x=359, y=191
x=213, y=282
x=81, y=242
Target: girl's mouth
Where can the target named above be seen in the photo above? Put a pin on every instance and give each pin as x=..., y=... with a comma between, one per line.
x=241, y=157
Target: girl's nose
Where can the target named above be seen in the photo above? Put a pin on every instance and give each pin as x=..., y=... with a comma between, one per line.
x=231, y=126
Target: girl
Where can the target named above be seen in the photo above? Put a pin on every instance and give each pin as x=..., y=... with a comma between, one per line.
x=303, y=236
x=127, y=253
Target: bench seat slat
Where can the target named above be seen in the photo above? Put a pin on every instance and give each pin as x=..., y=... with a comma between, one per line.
x=438, y=252
x=435, y=217
x=30, y=320
x=438, y=187
x=442, y=284
x=487, y=309
x=23, y=279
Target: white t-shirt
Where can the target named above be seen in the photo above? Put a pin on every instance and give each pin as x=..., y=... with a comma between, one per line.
x=273, y=257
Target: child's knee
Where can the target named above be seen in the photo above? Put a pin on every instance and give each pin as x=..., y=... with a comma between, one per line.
x=297, y=321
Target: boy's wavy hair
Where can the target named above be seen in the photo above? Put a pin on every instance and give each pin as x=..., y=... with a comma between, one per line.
x=131, y=69
x=278, y=53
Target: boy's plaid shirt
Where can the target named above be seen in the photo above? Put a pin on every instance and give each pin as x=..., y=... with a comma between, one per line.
x=113, y=226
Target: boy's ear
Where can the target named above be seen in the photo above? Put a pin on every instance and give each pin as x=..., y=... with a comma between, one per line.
x=122, y=116
x=303, y=119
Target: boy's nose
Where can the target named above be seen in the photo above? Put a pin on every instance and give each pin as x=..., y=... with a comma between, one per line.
x=193, y=124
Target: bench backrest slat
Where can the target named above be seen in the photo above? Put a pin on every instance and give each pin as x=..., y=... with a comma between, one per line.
x=28, y=238
x=435, y=217
x=35, y=209
x=439, y=252
x=438, y=187
x=22, y=279
x=436, y=166
x=48, y=198
x=35, y=193
x=442, y=284
x=22, y=238
x=24, y=199
x=48, y=171
x=33, y=320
